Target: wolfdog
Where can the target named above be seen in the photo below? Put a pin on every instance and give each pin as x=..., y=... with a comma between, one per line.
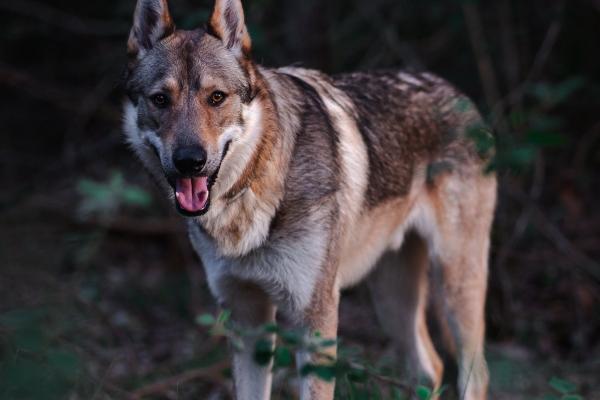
x=296, y=185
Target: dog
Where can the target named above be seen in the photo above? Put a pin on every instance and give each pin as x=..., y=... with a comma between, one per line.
x=296, y=185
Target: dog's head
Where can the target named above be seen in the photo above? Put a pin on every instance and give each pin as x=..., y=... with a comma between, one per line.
x=187, y=91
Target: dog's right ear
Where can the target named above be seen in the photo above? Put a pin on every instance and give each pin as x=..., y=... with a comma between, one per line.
x=151, y=23
x=227, y=23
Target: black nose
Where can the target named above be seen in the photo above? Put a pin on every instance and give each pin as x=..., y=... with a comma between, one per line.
x=189, y=160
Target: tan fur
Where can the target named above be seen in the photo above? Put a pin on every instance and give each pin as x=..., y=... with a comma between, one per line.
x=318, y=183
x=239, y=217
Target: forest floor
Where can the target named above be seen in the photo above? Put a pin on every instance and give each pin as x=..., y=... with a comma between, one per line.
x=106, y=308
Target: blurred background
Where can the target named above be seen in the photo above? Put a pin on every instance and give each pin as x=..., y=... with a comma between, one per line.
x=99, y=289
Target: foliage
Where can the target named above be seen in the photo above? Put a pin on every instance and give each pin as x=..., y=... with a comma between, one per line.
x=34, y=363
x=529, y=131
x=355, y=377
x=565, y=389
x=107, y=198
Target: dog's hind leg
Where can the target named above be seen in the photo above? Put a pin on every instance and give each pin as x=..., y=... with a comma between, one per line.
x=464, y=282
x=398, y=288
x=250, y=308
x=464, y=210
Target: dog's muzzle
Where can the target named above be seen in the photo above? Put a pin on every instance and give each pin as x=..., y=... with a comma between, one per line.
x=192, y=185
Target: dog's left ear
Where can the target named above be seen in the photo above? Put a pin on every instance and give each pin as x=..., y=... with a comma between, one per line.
x=227, y=23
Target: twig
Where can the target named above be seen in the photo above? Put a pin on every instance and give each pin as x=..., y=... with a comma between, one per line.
x=212, y=373
x=386, y=379
x=546, y=48
x=37, y=89
x=89, y=105
x=483, y=58
x=67, y=99
x=72, y=23
x=585, y=145
x=523, y=220
x=509, y=50
x=555, y=235
x=541, y=58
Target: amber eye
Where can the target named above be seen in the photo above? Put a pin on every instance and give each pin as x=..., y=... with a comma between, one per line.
x=160, y=100
x=216, y=98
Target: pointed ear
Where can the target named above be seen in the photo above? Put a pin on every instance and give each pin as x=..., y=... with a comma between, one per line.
x=151, y=23
x=227, y=23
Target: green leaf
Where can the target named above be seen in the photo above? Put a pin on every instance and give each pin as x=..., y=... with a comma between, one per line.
x=92, y=189
x=283, y=357
x=271, y=328
x=205, y=320
x=107, y=197
x=65, y=363
x=291, y=337
x=441, y=390
x=17, y=319
x=357, y=375
x=423, y=393
x=517, y=157
x=553, y=94
x=31, y=339
x=224, y=316
x=571, y=397
x=323, y=372
x=263, y=351
x=136, y=197
x=397, y=394
x=482, y=137
x=328, y=343
x=565, y=89
x=562, y=386
x=544, y=122
x=547, y=139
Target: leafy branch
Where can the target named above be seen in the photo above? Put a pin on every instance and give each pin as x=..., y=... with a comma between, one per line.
x=276, y=345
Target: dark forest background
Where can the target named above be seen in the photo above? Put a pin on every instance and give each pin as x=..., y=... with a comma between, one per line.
x=99, y=289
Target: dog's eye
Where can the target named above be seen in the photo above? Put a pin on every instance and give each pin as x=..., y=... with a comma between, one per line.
x=216, y=98
x=160, y=100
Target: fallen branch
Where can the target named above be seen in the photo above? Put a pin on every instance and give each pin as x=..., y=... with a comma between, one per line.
x=212, y=373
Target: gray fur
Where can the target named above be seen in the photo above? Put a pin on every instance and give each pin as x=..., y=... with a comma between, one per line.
x=315, y=177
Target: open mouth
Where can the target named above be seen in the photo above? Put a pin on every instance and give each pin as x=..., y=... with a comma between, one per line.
x=192, y=195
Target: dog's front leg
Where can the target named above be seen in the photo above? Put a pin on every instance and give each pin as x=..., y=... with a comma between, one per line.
x=250, y=308
x=322, y=318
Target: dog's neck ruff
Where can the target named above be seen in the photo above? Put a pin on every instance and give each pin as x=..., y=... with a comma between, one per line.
x=250, y=183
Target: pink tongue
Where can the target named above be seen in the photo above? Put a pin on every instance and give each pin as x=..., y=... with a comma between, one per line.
x=192, y=193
